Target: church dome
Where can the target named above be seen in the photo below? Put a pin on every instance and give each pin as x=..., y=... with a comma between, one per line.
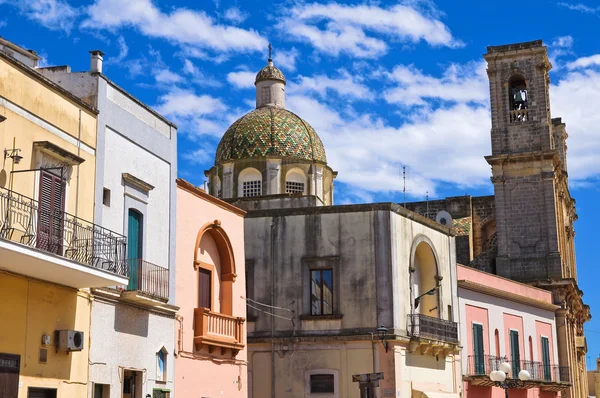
x=269, y=72
x=270, y=132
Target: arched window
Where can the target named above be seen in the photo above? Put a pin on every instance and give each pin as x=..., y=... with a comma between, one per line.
x=295, y=182
x=518, y=98
x=161, y=365
x=216, y=187
x=249, y=183
x=424, y=280
x=497, y=342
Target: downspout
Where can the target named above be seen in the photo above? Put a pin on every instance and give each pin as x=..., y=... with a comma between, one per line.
x=272, y=304
x=78, y=155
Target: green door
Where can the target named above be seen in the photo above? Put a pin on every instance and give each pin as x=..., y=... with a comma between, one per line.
x=134, y=247
x=478, y=351
x=546, y=359
x=515, y=355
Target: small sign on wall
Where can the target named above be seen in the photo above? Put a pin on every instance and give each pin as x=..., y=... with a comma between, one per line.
x=388, y=392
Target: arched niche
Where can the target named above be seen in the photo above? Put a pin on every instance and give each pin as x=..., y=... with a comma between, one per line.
x=213, y=252
x=296, y=181
x=424, y=277
x=249, y=183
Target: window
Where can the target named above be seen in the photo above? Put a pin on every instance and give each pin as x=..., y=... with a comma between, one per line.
x=266, y=95
x=546, y=359
x=519, y=99
x=497, y=341
x=322, y=383
x=321, y=292
x=106, y=197
x=134, y=246
x=478, y=349
x=51, y=212
x=450, y=314
x=160, y=393
x=294, y=187
x=251, y=188
x=515, y=356
x=530, y=349
x=161, y=365
x=204, y=288
x=34, y=392
x=101, y=390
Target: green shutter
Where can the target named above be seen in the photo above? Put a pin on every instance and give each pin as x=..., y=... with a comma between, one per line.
x=546, y=359
x=134, y=235
x=478, y=349
x=515, y=356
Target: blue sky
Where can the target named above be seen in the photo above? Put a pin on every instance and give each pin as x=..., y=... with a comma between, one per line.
x=385, y=84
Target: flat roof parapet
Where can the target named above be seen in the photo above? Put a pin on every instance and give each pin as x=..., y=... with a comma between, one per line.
x=515, y=46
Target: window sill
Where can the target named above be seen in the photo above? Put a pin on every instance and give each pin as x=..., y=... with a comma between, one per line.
x=321, y=317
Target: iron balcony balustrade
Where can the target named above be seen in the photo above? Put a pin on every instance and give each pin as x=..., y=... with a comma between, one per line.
x=423, y=326
x=24, y=225
x=149, y=279
x=541, y=375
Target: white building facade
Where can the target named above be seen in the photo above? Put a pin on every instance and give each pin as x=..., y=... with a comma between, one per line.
x=133, y=327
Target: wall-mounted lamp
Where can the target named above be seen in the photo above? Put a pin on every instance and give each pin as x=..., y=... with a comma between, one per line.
x=13, y=154
x=382, y=332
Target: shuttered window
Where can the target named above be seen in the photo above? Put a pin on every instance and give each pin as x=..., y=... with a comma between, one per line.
x=134, y=247
x=478, y=351
x=515, y=355
x=51, y=212
x=204, y=288
x=546, y=359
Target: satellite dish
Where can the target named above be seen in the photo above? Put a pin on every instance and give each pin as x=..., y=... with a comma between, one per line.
x=444, y=218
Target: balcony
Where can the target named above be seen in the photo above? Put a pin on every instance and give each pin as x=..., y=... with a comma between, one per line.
x=432, y=335
x=148, y=283
x=519, y=115
x=58, y=247
x=546, y=377
x=213, y=330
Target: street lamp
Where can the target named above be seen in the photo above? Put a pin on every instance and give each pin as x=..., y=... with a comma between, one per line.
x=500, y=378
x=382, y=331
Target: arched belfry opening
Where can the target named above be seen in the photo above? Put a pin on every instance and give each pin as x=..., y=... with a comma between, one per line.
x=518, y=98
x=425, y=281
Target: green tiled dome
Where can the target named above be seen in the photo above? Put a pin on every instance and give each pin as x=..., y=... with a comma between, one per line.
x=270, y=132
x=269, y=72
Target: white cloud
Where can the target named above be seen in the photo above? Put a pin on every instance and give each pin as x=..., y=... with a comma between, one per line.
x=580, y=7
x=241, y=79
x=167, y=77
x=563, y=42
x=189, y=68
x=183, y=26
x=336, y=28
x=123, y=52
x=286, y=59
x=199, y=156
x=345, y=85
x=584, y=62
x=52, y=14
x=235, y=15
x=459, y=83
x=184, y=103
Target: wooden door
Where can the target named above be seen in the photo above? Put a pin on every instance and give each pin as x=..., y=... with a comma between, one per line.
x=51, y=207
x=9, y=375
x=134, y=248
x=204, y=289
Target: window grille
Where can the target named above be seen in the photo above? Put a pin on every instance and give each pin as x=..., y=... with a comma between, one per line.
x=251, y=188
x=294, y=187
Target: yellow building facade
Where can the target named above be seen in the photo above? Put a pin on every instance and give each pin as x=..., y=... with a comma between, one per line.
x=50, y=251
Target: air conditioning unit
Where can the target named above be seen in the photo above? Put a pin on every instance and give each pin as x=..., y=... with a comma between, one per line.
x=68, y=340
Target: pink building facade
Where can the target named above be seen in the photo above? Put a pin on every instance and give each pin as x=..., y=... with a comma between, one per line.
x=507, y=321
x=211, y=355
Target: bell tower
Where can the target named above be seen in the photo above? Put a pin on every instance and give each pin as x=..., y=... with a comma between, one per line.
x=534, y=210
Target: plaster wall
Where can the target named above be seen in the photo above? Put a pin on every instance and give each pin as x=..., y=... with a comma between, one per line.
x=128, y=337
x=35, y=308
x=504, y=315
x=200, y=373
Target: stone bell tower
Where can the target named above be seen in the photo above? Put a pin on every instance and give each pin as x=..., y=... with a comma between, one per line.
x=534, y=210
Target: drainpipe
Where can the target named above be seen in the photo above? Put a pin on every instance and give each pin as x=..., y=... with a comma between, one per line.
x=78, y=155
x=273, y=229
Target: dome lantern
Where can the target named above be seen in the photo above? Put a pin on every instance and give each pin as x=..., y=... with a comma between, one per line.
x=270, y=85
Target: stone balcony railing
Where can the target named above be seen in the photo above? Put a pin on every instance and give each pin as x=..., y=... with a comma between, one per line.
x=213, y=329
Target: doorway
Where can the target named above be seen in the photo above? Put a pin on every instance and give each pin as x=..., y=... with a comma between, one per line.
x=41, y=392
x=10, y=366
x=133, y=384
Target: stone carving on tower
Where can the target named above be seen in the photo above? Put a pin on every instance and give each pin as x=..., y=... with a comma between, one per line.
x=534, y=210
x=271, y=157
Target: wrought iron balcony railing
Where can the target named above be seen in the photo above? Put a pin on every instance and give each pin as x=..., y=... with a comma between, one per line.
x=483, y=365
x=148, y=278
x=432, y=328
x=22, y=220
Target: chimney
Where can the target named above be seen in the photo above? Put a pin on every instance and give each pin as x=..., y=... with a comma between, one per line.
x=96, y=61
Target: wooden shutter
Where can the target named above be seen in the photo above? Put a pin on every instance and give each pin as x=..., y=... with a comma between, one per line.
x=134, y=235
x=51, y=207
x=204, y=288
x=515, y=355
x=546, y=358
x=478, y=349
